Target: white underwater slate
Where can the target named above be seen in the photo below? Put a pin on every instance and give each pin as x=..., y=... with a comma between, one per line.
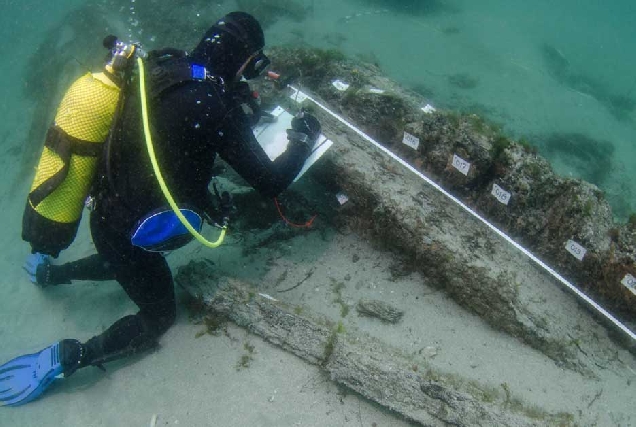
x=273, y=138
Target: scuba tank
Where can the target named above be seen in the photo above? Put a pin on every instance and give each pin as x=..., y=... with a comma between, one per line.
x=73, y=145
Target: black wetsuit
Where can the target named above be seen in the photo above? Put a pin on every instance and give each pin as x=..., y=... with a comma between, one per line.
x=191, y=123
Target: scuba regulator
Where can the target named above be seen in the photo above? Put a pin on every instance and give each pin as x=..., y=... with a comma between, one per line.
x=122, y=55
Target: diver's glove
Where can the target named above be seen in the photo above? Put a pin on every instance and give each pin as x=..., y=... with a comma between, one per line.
x=36, y=265
x=251, y=102
x=305, y=129
x=220, y=216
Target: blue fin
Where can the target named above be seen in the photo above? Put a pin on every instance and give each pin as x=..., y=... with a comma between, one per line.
x=26, y=377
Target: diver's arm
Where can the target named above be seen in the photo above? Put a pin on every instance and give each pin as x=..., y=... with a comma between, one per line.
x=241, y=150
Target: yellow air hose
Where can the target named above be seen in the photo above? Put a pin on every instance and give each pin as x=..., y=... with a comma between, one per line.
x=155, y=167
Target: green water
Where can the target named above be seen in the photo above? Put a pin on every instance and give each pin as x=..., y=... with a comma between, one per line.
x=559, y=74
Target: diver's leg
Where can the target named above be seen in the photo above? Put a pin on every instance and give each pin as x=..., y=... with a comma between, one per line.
x=151, y=288
x=147, y=279
x=93, y=267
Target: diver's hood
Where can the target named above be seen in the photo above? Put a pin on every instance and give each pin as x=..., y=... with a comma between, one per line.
x=229, y=43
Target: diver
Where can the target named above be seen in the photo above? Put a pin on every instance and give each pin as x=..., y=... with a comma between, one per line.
x=197, y=112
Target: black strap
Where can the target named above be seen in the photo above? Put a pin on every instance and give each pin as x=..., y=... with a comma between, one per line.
x=64, y=145
x=113, y=78
x=163, y=75
x=169, y=67
x=57, y=139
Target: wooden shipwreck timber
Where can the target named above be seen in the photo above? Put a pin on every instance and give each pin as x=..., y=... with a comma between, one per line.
x=397, y=211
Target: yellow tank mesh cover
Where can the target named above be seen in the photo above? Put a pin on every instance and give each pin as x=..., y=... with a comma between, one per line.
x=65, y=204
x=85, y=113
x=87, y=108
x=50, y=164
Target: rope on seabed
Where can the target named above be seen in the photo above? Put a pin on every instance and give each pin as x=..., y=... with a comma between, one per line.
x=436, y=186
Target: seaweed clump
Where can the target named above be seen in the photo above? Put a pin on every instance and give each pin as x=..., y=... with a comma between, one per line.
x=311, y=65
x=330, y=344
x=247, y=358
x=316, y=61
x=199, y=313
x=386, y=112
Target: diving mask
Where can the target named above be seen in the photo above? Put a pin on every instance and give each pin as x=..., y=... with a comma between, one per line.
x=256, y=65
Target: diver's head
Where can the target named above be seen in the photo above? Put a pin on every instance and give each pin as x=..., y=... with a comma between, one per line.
x=232, y=47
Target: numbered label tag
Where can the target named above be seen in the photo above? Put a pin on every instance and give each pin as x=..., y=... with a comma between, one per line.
x=575, y=249
x=376, y=91
x=342, y=198
x=629, y=282
x=428, y=109
x=340, y=85
x=500, y=194
x=298, y=96
x=411, y=140
x=460, y=164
